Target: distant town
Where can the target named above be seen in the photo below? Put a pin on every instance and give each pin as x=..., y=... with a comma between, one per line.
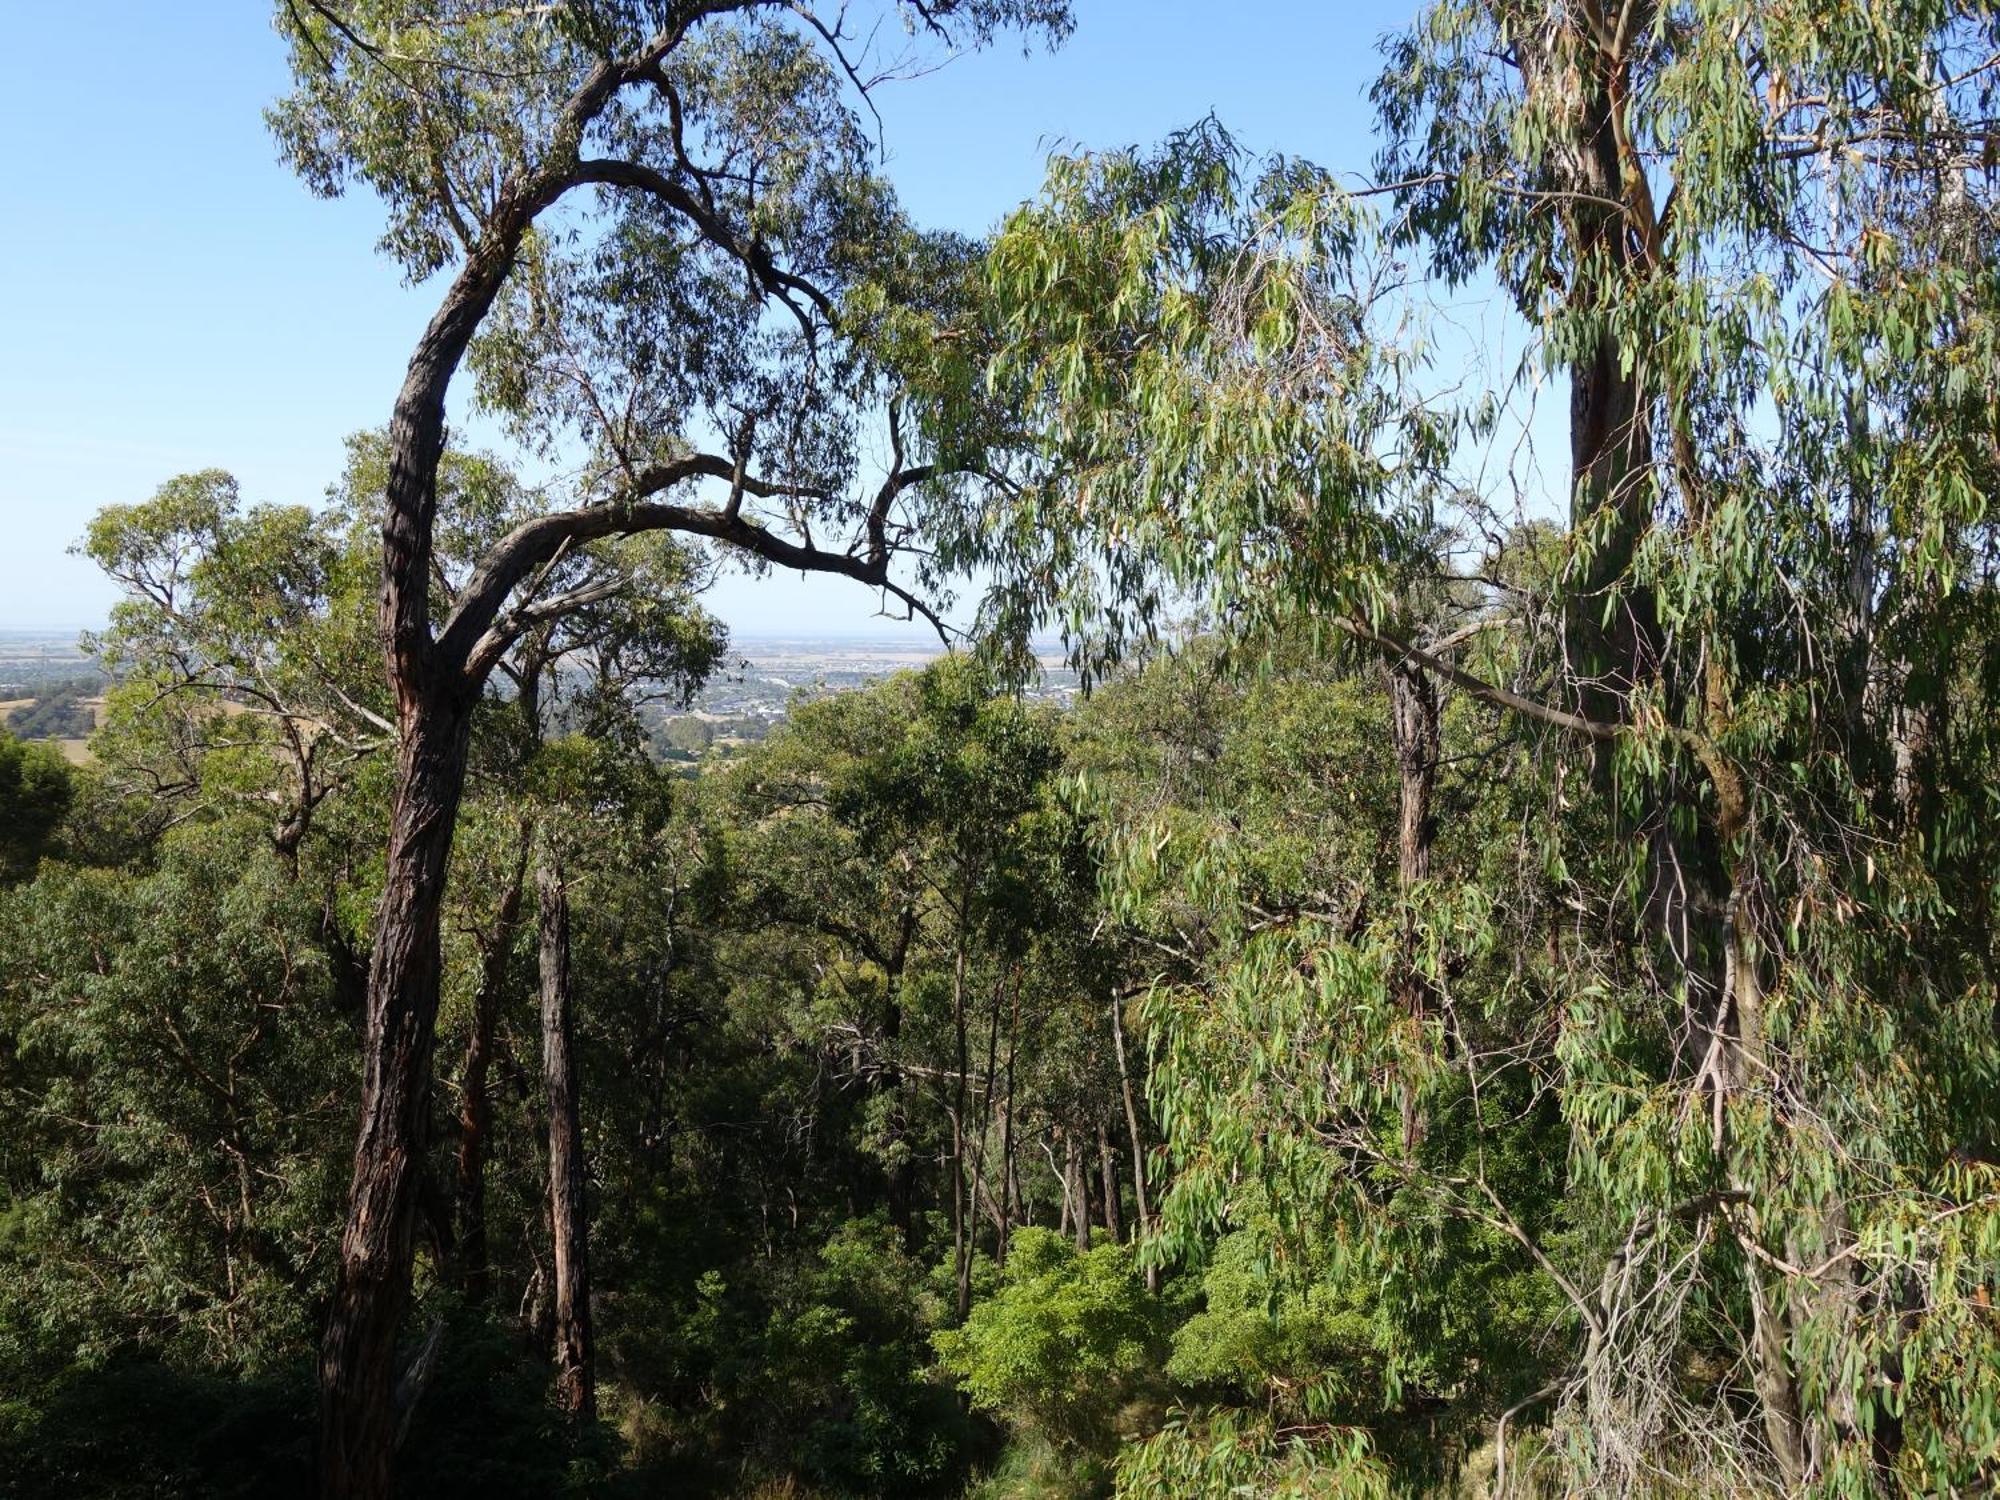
x=52, y=689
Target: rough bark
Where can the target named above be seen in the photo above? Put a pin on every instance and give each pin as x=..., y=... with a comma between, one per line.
x=1413, y=701
x=435, y=677
x=1610, y=437
x=569, y=1222
x=358, y=1419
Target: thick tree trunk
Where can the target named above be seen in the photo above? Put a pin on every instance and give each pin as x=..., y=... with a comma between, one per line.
x=358, y=1419
x=569, y=1223
x=435, y=680
x=475, y=1110
x=1610, y=453
x=1611, y=445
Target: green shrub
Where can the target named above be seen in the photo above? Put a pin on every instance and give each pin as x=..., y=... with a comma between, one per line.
x=843, y=1366
x=1237, y=1453
x=1070, y=1338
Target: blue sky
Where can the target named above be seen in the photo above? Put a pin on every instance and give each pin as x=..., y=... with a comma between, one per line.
x=171, y=298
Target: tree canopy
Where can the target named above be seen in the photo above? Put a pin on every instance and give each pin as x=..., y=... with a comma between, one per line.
x=1490, y=989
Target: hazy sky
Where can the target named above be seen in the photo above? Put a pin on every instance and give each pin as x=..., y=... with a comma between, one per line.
x=172, y=299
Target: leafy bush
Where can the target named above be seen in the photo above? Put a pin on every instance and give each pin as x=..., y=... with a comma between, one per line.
x=172, y=1168
x=1231, y=1453
x=797, y=1370
x=1070, y=1337
x=844, y=1364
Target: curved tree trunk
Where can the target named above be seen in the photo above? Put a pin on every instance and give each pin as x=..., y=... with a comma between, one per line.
x=357, y=1369
x=436, y=677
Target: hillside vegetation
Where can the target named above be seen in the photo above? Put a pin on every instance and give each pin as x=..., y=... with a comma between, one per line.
x=1492, y=990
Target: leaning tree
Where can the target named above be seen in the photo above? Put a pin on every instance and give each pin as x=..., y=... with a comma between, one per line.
x=672, y=265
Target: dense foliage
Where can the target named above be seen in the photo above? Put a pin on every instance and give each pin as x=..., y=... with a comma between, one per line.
x=1499, y=996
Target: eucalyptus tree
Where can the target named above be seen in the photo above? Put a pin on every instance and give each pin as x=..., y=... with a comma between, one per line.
x=245, y=650
x=913, y=830
x=633, y=637
x=175, y=1066
x=666, y=255
x=1752, y=950
x=240, y=651
x=35, y=791
x=1761, y=241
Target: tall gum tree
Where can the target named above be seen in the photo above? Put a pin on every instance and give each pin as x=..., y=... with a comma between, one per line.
x=247, y=675
x=665, y=255
x=1755, y=242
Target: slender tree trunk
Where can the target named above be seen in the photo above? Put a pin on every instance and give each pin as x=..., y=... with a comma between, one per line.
x=1107, y=1163
x=1077, y=1186
x=357, y=1369
x=1414, y=729
x=569, y=1222
x=1068, y=1205
x=1770, y=1361
x=1010, y=1187
x=903, y=1173
x=979, y=1157
x=475, y=1110
x=1145, y=1222
x=961, y=1206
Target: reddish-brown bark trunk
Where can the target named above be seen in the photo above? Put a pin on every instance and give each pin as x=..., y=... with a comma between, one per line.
x=357, y=1370
x=1413, y=703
